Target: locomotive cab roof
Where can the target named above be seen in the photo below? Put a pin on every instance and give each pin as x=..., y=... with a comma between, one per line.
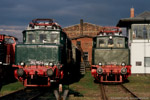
x=43, y=24
x=111, y=35
x=110, y=31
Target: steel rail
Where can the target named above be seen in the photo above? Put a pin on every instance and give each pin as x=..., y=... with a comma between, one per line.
x=103, y=93
x=35, y=96
x=132, y=94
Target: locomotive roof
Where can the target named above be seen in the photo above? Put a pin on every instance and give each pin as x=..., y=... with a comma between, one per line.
x=43, y=19
x=41, y=23
x=42, y=30
x=9, y=36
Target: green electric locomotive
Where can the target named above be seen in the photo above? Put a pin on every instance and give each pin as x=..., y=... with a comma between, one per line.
x=44, y=55
x=111, y=56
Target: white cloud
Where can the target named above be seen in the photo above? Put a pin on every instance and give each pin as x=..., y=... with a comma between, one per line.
x=1, y=29
x=15, y=31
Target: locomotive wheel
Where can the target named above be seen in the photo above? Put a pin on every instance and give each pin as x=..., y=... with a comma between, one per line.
x=50, y=72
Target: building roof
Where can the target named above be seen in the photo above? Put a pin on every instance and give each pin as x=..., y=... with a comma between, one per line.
x=81, y=30
x=139, y=19
x=145, y=14
x=85, y=23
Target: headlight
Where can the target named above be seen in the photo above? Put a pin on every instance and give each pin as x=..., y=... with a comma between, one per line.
x=20, y=72
x=110, y=37
x=100, y=64
x=49, y=72
x=51, y=64
x=1, y=62
x=99, y=70
x=123, y=71
x=123, y=64
x=22, y=63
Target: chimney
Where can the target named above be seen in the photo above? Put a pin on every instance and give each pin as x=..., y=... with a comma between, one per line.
x=132, y=13
x=81, y=27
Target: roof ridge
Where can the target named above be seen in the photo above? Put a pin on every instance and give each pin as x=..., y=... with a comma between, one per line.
x=83, y=23
x=144, y=14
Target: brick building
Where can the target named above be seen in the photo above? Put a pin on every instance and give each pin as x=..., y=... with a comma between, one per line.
x=82, y=34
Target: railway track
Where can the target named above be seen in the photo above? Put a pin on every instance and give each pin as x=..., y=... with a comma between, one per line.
x=44, y=93
x=131, y=93
x=103, y=93
x=24, y=94
x=116, y=92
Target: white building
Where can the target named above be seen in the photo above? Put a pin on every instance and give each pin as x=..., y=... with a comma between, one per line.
x=138, y=31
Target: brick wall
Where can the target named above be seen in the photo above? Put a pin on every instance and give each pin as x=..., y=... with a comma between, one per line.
x=84, y=34
x=88, y=29
x=86, y=45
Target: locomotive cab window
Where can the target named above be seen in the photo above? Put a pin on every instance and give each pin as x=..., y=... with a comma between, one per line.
x=102, y=43
x=31, y=38
x=9, y=41
x=120, y=43
x=43, y=38
x=36, y=37
x=54, y=38
x=111, y=42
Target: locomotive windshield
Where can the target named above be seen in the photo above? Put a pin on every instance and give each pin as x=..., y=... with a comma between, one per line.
x=39, y=37
x=110, y=42
x=9, y=41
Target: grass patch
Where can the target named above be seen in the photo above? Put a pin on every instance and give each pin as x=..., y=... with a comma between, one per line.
x=11, y=87
x=139, y=85
x=86, y=85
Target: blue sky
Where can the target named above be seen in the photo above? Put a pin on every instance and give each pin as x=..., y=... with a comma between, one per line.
x=16, y=14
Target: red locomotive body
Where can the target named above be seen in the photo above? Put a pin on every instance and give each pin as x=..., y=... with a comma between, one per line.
x=108, y=70
x=9, y=43
x=38, y=73
x=7, y=57
x=111, y=60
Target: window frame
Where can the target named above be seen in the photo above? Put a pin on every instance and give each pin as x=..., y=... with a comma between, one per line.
x=114, y=39
x=133, y=33
x=145, y=62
